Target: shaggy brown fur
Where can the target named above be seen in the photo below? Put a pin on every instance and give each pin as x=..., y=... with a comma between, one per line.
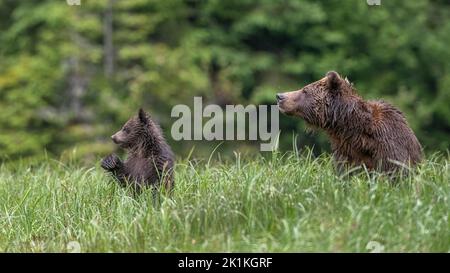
x=373, y=133
x=150, y=159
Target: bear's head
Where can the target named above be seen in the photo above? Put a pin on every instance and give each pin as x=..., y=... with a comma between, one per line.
x=134, y=132
x=317, y=103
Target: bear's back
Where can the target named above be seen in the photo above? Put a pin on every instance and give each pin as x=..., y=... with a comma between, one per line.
x=394, y=139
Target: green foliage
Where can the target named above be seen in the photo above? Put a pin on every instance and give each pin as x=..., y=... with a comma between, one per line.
x=56, y=93
x=282, y=204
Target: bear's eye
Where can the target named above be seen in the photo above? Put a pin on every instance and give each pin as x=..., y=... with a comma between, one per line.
x=126, y=130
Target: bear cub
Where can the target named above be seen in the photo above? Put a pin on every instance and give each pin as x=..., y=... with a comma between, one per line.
x=150, y=159
x=370, y=133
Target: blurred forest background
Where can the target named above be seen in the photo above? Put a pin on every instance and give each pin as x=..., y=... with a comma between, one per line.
x=71, y=75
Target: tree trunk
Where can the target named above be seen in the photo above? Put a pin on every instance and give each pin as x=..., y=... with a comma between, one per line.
x=108, y=40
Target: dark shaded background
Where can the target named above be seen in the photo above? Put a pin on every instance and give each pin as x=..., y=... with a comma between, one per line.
x=71, y=75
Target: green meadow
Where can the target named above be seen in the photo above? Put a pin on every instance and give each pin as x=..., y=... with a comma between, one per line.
x=279, y=203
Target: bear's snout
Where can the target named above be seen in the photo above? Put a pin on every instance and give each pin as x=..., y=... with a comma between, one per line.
x=284, y=102
x=114, y=139
x=280, y=97
x=288, y=102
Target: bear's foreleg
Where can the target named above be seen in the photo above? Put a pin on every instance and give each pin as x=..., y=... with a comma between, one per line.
x=115, y=167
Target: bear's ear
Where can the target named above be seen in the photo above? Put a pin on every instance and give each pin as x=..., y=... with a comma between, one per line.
x=334, y=81
x=143, y=116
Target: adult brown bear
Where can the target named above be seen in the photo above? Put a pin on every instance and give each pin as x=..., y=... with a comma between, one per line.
x=373, y=133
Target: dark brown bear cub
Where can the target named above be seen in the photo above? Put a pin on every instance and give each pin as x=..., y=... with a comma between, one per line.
x=150, y=159
x=370, y=133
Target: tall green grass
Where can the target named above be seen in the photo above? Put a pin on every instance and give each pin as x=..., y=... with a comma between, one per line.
x=284, y=203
